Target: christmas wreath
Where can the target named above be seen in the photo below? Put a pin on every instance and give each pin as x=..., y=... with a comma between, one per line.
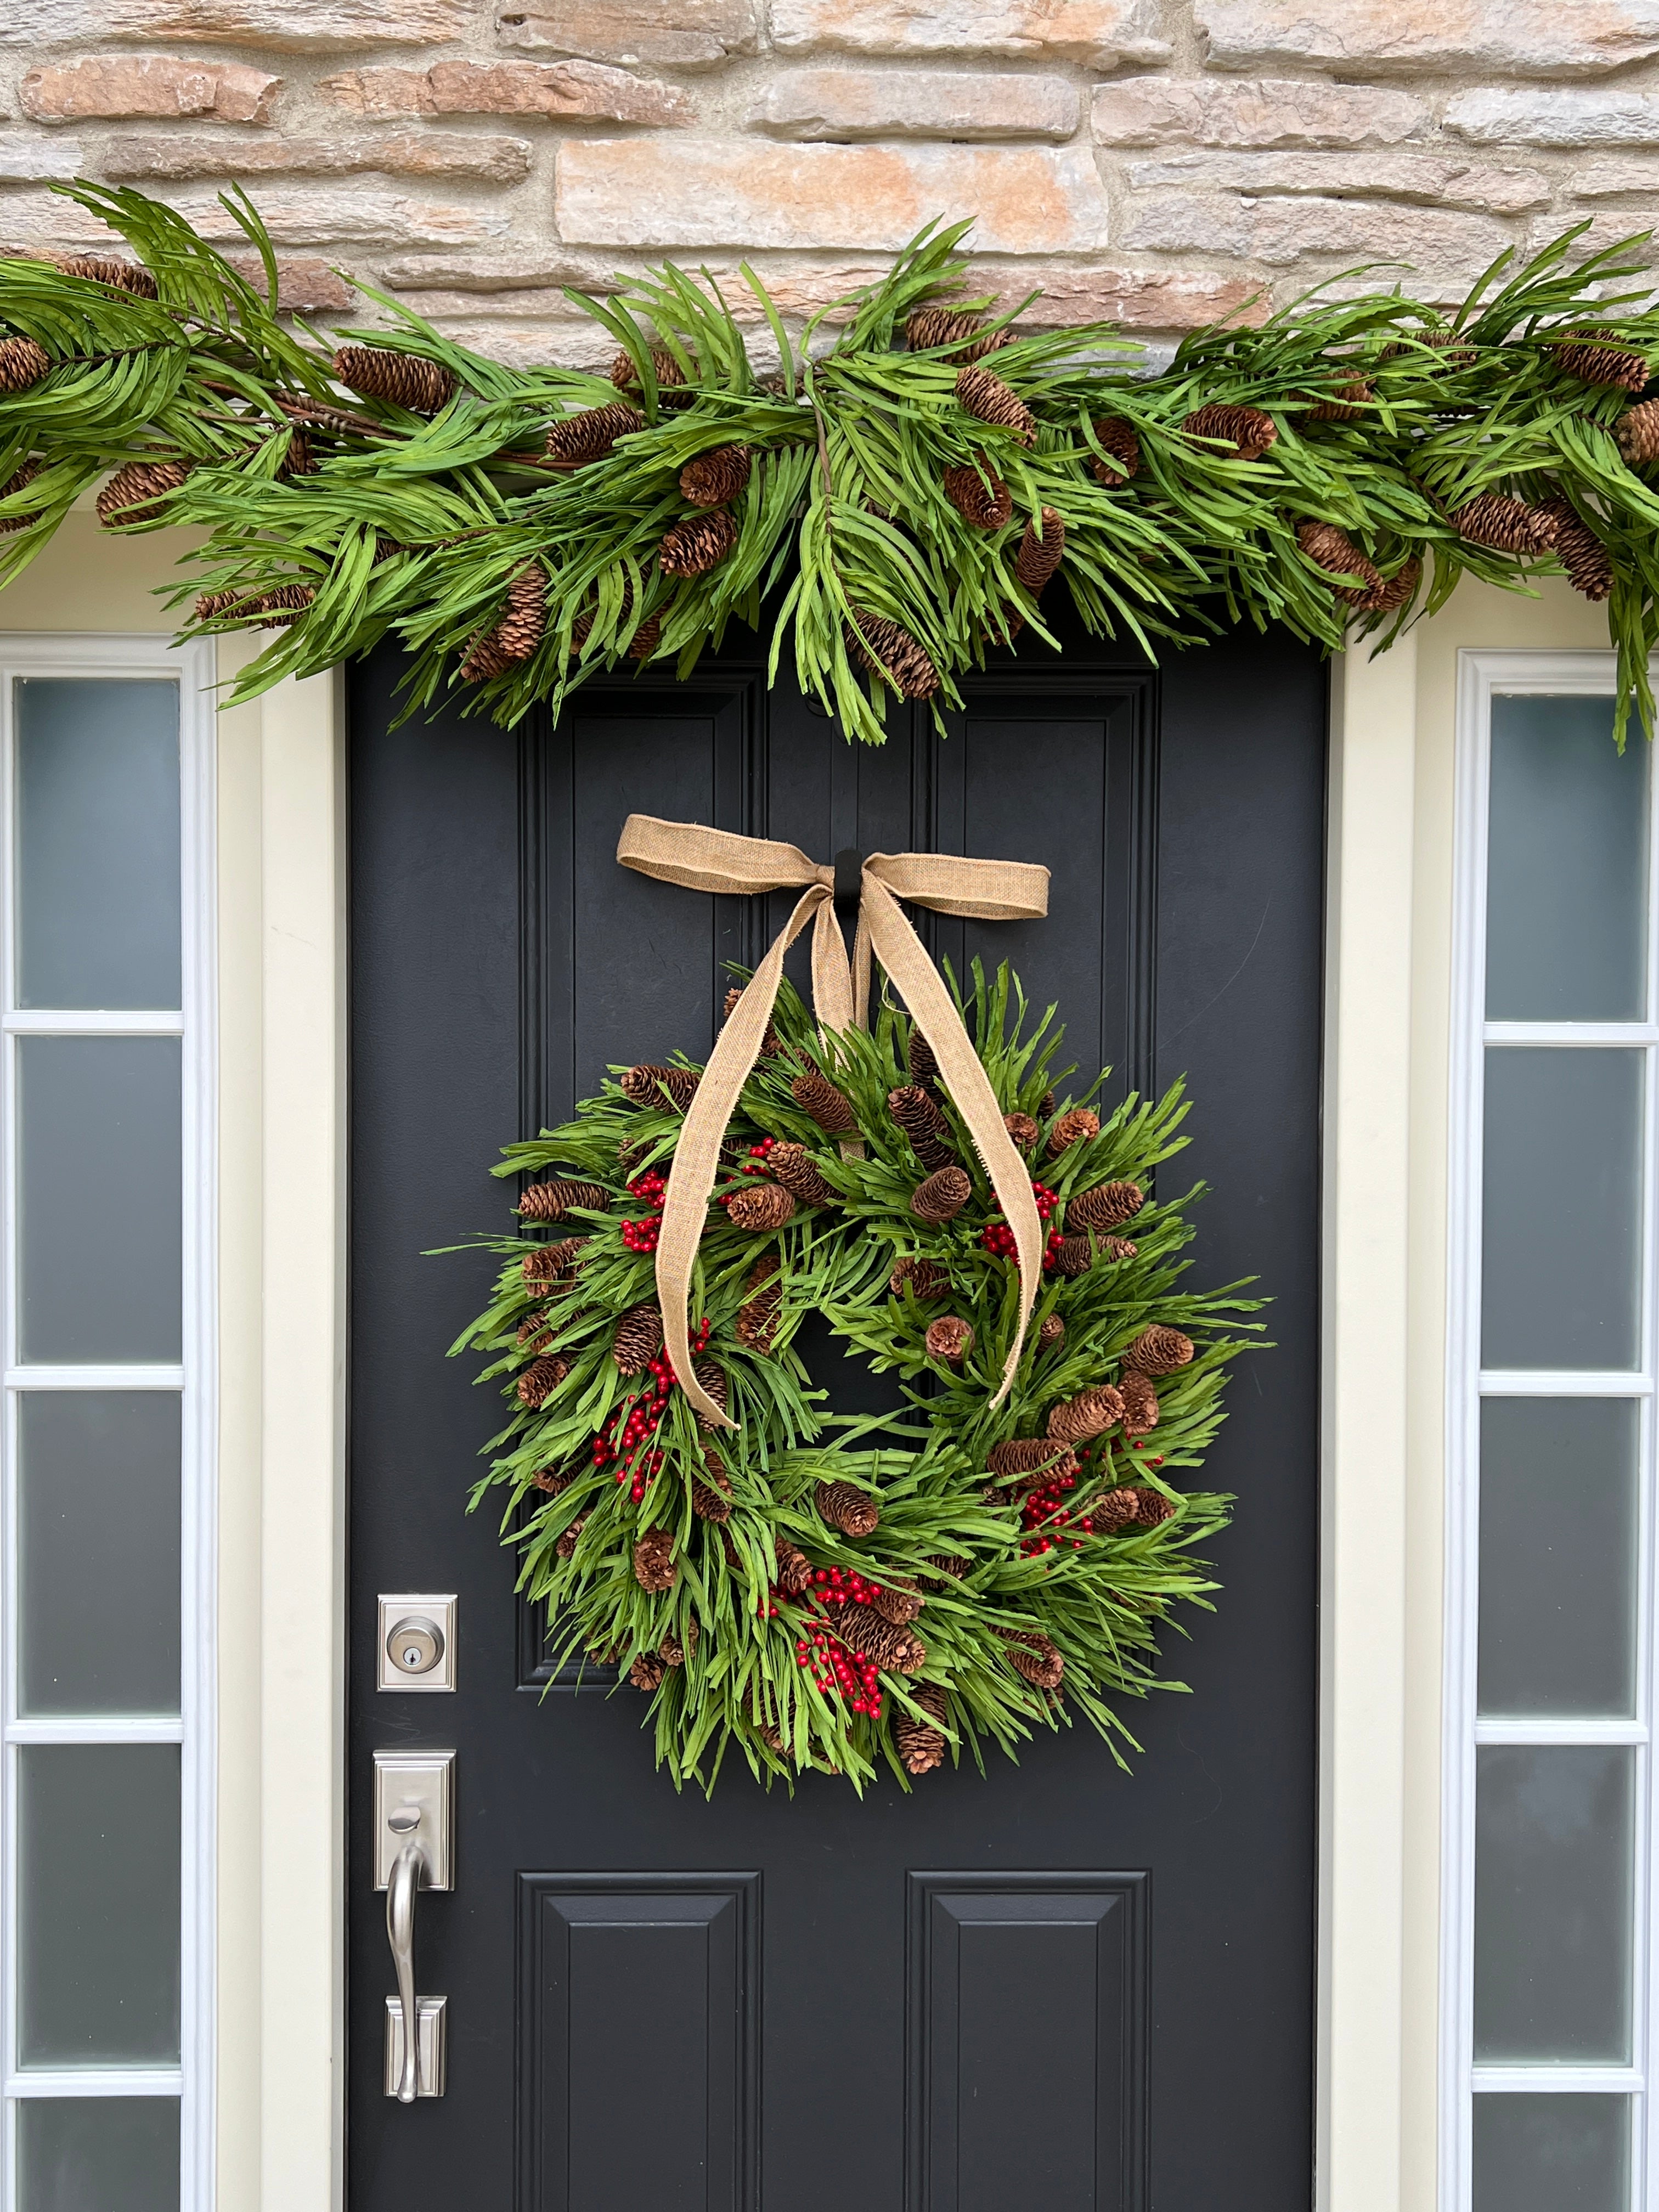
x=831, y=1591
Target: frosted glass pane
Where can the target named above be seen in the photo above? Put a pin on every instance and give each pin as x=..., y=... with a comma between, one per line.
x=1552, y=2154
x=97, y=1905
x=101, y=1208
x=1557, y=1556
x=97, y=842
x=98, y=1551
x=1552, y=1890
x=98, y=2154
x=1561, y=1210
x=1567, y=881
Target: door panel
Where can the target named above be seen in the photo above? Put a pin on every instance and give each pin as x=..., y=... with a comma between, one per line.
x=1060, y=1985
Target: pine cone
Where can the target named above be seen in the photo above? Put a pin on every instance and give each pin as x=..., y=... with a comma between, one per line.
x=671, y=377
x=757, y=1317
x=1345, y=403
x=1159, y=1351
x=210, y=605
x=947, y=1568
x=646, y=640
x=551, y=1201
x=516, y=635
x=1023, y=1129
x=674, y=1651
x=920, y=1277
x=590, y=434
x=918, y=1116
x=949, y=1339
x=1139, y=1402
x=1579, y=550
x=565, y=1547
x=23, y=363
x=136, y=492
x=646, y=1085
x=540, y=1380
x=550, y=1263
x=1074, y=1255
x=707, y=1502
x=1038, y=557
x=653, y=1561
x=699, y=543
x=20, y=480
x=760, y=1208
x=1458, y=354
x=277, y=610
x=298, y=460
x=1246, y=429
x=638, y=1339
x=793, y=1167
x=931, y=328
x=534, y=1334
x=98, y=269
x=1128, y=1508
x=1637, y=432
x=647, y=1671
x=852, y=1510
x=943, y=1196
x=771, y=1043
x=1586, y=355
x=1031, y=1461
x=404, y=379
x=794, y=1568
x=886, y=648
x=1506, y=526
x=920, y=1748
x=1335, y=551
x=1104, y=1206
x=1051, y=1333
x=989, y=398
x=920, y=1060
x=716, y=477
x=1091, y=1414
x=900, y=1604
x=1394, y=591
x=712, y=1376
x=896, y=1651
x=816, y=1095
x=555, y=1481
x=1118, y=1248
x=979, y=494
x=1072, y=1128
x=1034, y=1657
x=1117, y=437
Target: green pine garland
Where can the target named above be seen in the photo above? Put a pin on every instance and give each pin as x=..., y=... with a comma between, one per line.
x=1392, y=452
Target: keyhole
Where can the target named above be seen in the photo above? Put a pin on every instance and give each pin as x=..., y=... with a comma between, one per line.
x=412, y=1655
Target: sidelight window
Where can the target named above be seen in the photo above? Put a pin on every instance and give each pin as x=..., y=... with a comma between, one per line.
x=106, y=1443
x=1548, y=2024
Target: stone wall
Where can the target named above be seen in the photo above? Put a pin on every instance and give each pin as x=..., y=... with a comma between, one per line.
x=1155, y=161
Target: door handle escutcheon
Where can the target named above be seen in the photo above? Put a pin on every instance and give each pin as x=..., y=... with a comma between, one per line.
x=414, y=1825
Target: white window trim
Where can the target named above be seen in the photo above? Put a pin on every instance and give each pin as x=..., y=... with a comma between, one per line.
x=195, y=1728
x=1480, y=676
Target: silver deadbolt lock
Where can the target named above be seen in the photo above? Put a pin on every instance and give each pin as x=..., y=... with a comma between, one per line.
x=415, y=1645
x=417, y=1642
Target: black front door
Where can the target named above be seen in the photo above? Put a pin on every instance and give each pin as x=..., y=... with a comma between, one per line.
x=1057, y=1987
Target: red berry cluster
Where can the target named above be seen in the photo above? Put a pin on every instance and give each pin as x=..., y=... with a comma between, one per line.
x=650, y=1188
x=1047, y=1522
x=753, y=1166
x=999, y=1240
x=832, y=1666
x=628, y=1452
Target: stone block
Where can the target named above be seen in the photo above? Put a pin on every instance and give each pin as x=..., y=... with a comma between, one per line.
x=575, y=88
x=839, y=104
x=1503, y=38
x=349, y=214
x=1138, y=299
x=1153, y=111
x=493, y=160
x=26, y=159
x=1561, y=117
x=1439, y=241
x=298, y=27
x=120, y=87
x=712, y=192
x=304, y=286
x=570, y=342
x=1430, y=178
x=1099, y=33
x=486, y=273
x=1616, y=180
x=680, y=33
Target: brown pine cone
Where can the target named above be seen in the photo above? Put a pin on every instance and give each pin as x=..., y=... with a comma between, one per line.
x=920, y=1060
x=590, y=434
x=1246, y=429
x=896, y=1651
x=760, y=1207
x=675, y=1651
x=1023, y=1129
x=1504, y=525
x=565, y=1547
x=647, y=1671
x=298, y=460
x=556, y=1480
x=1104, y=1206
x=1637, y=432
x=712, y=1376
x=920, y=1748
x=949, y=1339
x=707, y=1502
x=1039, y=556
x=716, y=477
x=551, y=1263
x=1336, y=552
x=758, y=1316
x=551, y=1201
x=1139, y=1402
x=20, y=480
x=649, y=1086
x=1072, y=1128
x=671, y=377
x=1034, y=1657
x=136, y=492
x=992, y=401
x=1345, y=403
x=98, y=269
x=1117, y=437
x=847, y=1508
x=1394, y=591
x=1587, y=355
x=653, y=1561
x=1074, y=1255
x=772, y=1737
x=1031, y=1460
x=900, y=1604
x=404, y=379
x=771, y=1043
x=979, y=494
x=1128, y=1508
x=1051, y=1333
x=1159, y=1351
x=1579, y=550
x=1091, y=1414
x=638, y=1339
x=793, y=1167
x=534, y=1334
x=1458, y=354
x=961, y=329
x=942, y=1196
x=816, y=1095
x=1118, y=1248
x=886, y=648
x=794, y=1568
x=277, y=610
x=211, y=606
x=918, y=1116
x=516, y=635
x=946, y=1569
x=540, y=1380
x=23, y=363
x=920, y=1277
x=699, y=543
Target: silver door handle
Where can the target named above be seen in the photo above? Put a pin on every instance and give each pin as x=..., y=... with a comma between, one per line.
x=414, y=1849
x=400, y=1933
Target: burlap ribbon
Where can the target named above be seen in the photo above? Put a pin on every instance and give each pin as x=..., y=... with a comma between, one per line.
x=716, y=861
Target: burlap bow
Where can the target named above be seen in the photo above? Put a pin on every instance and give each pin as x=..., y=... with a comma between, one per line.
x=717, y=862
